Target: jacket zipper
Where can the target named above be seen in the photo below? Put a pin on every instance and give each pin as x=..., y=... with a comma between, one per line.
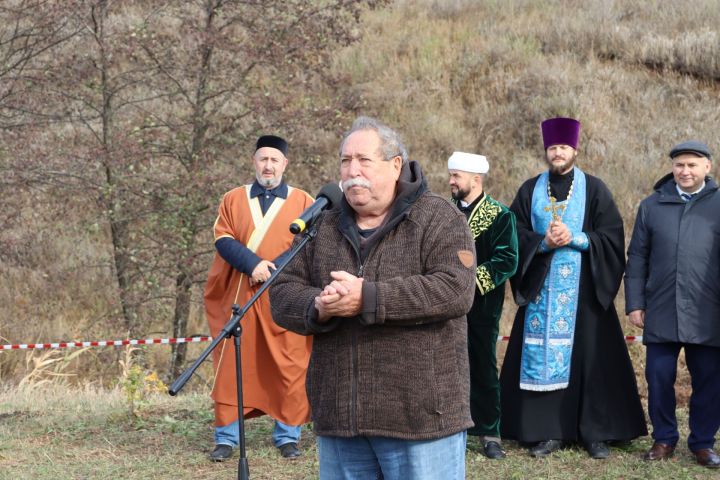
x=353, y=385
x=354, y=354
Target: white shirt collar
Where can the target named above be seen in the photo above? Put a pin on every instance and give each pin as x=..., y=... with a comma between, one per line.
x=680, y=192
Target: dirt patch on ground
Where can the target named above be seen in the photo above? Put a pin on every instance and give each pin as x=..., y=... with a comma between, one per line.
x=17, y=415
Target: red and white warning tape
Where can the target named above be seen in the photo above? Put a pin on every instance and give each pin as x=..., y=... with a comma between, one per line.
x=166, y=341
x=104, y=343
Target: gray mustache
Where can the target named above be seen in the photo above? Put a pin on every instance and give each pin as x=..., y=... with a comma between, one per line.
x=355, y=182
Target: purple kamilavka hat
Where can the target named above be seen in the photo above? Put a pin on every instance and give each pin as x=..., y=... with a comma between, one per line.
x=560, y=131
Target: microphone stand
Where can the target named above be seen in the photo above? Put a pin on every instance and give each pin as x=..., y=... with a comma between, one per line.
x=233, y=329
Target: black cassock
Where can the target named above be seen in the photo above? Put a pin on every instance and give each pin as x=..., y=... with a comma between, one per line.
x=601, y=401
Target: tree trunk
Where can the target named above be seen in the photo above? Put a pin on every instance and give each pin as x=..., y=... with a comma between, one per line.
x=122, y=273
x=183, y=297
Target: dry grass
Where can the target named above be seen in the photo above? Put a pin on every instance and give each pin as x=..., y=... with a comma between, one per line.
x=87, y=433
x=482, y=75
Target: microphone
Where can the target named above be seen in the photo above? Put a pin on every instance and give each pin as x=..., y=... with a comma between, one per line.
x=328, y=196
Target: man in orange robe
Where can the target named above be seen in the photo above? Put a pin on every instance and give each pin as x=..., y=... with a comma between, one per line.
x=251, y=231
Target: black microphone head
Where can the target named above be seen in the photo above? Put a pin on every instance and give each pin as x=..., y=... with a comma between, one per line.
x=332, y=192
x=329, y=196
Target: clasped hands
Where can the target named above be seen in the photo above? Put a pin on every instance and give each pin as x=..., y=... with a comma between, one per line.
x=341, y=298
x=557, y=235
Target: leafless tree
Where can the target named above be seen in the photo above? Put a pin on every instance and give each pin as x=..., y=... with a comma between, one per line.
x=148, y=108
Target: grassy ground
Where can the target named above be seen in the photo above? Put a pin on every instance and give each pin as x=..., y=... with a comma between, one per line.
x=50, y=431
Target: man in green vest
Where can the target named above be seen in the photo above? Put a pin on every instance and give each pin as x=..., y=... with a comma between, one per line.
x=496, y=246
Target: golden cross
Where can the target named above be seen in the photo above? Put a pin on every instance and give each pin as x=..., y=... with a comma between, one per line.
x=554, y=207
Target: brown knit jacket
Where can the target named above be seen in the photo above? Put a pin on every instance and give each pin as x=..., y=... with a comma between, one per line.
x=400, y=369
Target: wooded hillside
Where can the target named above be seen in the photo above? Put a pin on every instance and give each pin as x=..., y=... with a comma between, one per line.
x=122, y=122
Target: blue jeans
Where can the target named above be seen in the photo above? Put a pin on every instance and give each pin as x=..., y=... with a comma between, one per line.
x=373, y=458
x=282, y=434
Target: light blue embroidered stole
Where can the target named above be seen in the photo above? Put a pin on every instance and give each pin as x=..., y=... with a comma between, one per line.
x=550, y=319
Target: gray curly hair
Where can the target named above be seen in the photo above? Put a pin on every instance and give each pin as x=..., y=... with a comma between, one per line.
x=391, y=144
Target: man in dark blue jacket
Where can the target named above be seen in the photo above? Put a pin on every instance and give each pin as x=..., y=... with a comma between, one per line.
x=672, y=291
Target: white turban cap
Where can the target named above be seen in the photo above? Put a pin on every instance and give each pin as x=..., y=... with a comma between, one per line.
x=468, y=162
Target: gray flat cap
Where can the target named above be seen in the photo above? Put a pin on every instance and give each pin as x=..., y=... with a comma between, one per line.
x=691, y=146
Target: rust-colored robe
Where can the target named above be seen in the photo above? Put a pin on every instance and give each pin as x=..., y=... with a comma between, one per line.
x=274, y=360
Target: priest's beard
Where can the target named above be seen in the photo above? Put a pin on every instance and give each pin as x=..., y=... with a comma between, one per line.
x=561, y=168
x=460, y=194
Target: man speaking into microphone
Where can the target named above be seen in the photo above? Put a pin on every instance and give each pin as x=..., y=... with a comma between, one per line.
x=251, y=231
x=383, y=289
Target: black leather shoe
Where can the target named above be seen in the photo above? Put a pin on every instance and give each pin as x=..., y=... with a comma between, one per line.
x=221, y=453
x=493, y=450
x=289, y=450
x=545, y=448
x=707, y=458
x=598, y=450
